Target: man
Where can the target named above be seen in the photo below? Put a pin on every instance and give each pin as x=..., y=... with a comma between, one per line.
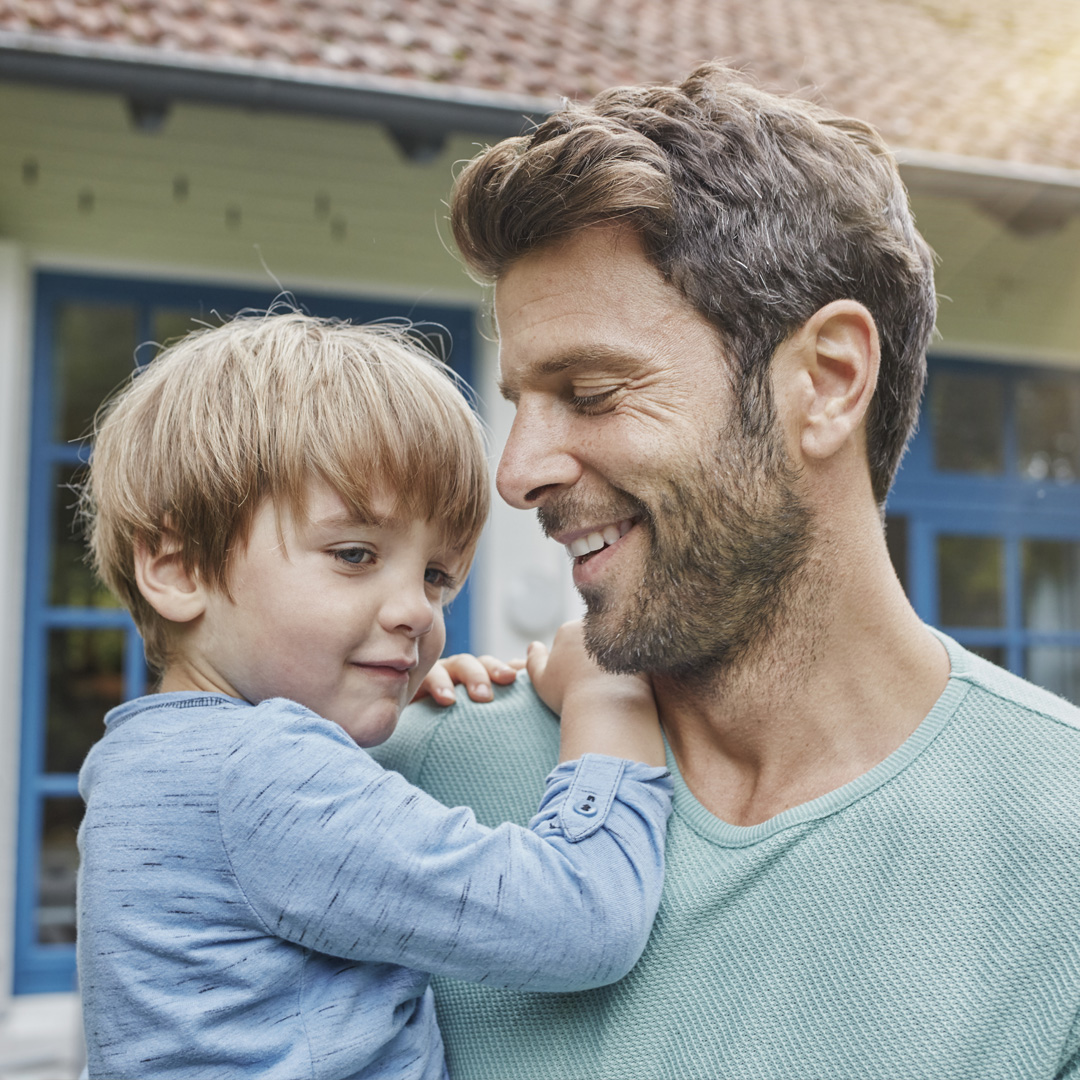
x=713, y=312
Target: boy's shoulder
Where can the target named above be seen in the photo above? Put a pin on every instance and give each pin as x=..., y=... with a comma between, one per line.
x=198, y=731
x=491, y=756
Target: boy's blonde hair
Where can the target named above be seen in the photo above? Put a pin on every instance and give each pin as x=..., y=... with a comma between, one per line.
x=255, y=409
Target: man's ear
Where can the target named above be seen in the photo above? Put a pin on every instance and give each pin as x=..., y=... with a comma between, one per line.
x=168, y=587
x=833, y=362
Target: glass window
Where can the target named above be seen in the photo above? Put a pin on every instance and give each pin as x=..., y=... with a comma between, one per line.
x=968, y=415
x=1051, y=584
x=72, y=583
x=1048, y=429
x=1055, y=668
x=994, y=653
x=171, y=324
x=971, y=581
x=86, y=680
x=94, y=353
x=58, y=866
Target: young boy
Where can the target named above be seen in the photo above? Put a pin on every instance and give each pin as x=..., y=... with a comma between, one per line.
x=285, y=505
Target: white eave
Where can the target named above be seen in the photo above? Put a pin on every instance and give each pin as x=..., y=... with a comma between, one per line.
x=1027, y=198
x=417, y=113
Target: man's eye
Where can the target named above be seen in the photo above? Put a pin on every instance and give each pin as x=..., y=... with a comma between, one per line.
x=354, y=556
x=594, y=401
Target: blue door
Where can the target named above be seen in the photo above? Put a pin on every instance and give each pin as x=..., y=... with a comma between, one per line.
x=82, y=654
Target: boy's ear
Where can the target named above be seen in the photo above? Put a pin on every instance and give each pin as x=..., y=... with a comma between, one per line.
x=833, y=368
x=171, y=590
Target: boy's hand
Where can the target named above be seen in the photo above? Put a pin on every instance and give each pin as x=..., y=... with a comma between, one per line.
x=601, y=713
x=476, y=672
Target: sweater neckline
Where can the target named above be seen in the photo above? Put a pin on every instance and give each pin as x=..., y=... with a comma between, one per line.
x=163, y=703
x=717, y=831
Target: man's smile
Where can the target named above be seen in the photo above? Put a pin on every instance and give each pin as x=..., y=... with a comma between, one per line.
x=585, y=542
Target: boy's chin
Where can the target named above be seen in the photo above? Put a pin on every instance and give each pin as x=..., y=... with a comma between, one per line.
x=375, y=726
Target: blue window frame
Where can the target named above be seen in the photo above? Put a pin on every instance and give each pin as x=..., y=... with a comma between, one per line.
x=984, y=518
x=82, y=653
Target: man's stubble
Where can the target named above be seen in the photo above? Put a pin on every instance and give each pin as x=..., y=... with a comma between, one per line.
x=727, y=538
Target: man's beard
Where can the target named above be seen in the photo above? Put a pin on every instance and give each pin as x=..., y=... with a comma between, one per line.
x=726, y=540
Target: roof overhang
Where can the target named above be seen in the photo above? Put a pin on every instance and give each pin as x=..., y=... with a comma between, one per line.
x=1027, y=198
x=419, y=115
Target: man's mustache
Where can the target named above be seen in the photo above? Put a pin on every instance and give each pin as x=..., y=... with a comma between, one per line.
x=570, y=511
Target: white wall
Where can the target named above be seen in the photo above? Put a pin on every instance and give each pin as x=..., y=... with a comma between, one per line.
x=522, y=579
x=14, y=453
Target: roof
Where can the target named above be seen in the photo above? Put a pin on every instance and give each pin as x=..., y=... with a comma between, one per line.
x=992, y=79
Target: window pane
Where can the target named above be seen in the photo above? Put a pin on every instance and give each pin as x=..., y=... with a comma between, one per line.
x=72, y=583
x=57, y=866
x=1051, y=584
x=994, y=653
x=85, y=680
x=896, y=541
x=95, y=349
x=968, y=415
x=970, y=580
x=171, y=324
x=1048, y=429
x=1057, y=668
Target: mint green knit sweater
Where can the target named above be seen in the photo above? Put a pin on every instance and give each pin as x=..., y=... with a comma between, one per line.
x=919, y=923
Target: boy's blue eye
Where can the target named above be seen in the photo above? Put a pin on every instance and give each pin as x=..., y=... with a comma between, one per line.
x=439, y=578
x=354, y=556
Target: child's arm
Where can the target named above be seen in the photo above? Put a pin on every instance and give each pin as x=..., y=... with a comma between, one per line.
x=339, y=855
x=601, y=713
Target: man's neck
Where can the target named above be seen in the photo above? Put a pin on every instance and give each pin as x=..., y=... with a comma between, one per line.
x=845, y=677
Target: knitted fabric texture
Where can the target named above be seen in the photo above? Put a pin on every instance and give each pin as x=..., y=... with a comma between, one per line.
x=919, y=923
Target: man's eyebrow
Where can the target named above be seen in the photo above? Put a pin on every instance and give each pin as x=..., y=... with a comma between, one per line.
x=577, y=359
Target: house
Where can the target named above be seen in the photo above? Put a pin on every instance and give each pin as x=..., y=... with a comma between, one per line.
x=162, y=161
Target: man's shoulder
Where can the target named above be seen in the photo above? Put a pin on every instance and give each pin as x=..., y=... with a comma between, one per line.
x=492, y=757
x=1017, y=747
x=1013, y=703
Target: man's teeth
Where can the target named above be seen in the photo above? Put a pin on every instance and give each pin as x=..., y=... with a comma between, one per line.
x=594, y=541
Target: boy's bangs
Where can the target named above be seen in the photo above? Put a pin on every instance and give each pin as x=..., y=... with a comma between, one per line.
x=428, y=475
x=392, y=423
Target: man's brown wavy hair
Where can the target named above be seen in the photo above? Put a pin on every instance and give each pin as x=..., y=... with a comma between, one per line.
x=759, y=209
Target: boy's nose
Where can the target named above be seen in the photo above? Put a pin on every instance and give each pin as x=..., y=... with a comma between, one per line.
x=409, y=611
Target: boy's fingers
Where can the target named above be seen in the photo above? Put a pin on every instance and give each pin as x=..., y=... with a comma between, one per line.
x=438, y=685
x=536, y=660
x=499, y=671
x=470, y=670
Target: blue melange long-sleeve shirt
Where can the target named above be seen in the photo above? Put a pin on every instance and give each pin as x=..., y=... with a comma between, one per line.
x=258, y=897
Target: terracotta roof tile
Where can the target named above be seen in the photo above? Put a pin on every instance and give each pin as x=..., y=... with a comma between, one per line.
x=985, y=78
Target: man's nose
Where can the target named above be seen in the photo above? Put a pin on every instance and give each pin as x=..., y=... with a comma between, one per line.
x=537, y=460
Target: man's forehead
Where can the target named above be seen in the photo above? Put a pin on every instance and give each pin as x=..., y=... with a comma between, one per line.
x=574, y=305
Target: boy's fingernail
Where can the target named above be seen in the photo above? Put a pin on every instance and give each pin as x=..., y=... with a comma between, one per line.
x=481, y=690
x=446, y=693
